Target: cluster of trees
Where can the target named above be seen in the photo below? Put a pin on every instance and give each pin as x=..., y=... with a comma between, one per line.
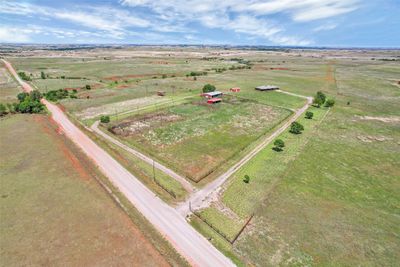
x=208, y=88
x=197, y=73
x=24, y=76
x=28, y=103
x=55, y=95
x=279, y=144
x=320, y=99
x=239, y=67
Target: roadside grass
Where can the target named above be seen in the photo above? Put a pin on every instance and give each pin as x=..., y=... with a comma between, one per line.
x=8, y=87
x=217, y=219
x=218, y=241
x=202, y=137
x=53, y=210
x=143, y=171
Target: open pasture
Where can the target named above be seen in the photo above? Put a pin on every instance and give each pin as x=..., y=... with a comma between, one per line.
x=195, y=138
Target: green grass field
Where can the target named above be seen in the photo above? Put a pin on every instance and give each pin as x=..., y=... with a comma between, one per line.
x=54, y=212
x=330, y=198
x=195, y=138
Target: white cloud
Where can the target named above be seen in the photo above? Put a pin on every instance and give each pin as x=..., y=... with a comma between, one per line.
x=325, y=27
x=13, y=35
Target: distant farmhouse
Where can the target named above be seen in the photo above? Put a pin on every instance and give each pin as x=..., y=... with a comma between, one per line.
x=212, y=94
x=267, y=88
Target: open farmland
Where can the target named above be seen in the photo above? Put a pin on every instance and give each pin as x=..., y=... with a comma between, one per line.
x=330, y=198
x=195, y=138
x=62, y=216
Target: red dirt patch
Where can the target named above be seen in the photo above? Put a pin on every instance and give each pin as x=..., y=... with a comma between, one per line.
x=117, y=78
x=279, y=68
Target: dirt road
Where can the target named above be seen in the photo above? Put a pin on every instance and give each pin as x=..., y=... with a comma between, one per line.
x=185, y=184
x=209, y=193
x=187, y=241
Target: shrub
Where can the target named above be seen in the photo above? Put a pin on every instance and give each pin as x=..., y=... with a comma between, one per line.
x=24, y=76
x=309, y=115
x=330, y=103
x=55, y=95
x=42, y=75
x=164, y=76
x=296, y=128
x=88, y=87
x=105, y=119
x=278, y=145
x=3, y=110
x=21, y=96
x=208, y=88
x=246, y=179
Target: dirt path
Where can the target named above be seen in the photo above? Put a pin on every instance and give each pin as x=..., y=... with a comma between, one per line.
x=208, y=194
x=186, y=240
x=185, y=184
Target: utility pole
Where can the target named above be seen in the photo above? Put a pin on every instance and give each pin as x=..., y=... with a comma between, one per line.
x=154, y=172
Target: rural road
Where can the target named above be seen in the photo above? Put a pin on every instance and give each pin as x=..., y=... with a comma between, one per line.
x=185, y=184
x=203, y=197
x=185, y=239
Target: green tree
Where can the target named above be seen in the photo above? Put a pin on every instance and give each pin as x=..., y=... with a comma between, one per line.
x=105, y=119
x=330, y=103
x=42, y=75
x=309, y=115
x=3, y=109
x=208, y=88
x=88, y=87
x=246, y=179
x=35, y=95
x=278, y=145
x=21, y=96
x=296, y=128
x=319, y=99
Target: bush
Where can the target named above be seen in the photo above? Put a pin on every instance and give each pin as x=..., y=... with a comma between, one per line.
x=88, y=87
x=164, y=76
x=105, y=119
x=246, y=179
x=309, y=115
x=42, y=75
x=21, y=96
x=24, y=76
x=3, y=110
x=330, y=103
x=296, y=128
x=55, y=95
x=278, y=145
x=208, y=88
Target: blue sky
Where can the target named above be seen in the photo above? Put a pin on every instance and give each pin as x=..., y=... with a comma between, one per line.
x=344, y=23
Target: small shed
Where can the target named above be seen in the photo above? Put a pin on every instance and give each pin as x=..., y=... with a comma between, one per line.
x=267, y=88
x=214, y=100
x=235, y=89
x=212, y=94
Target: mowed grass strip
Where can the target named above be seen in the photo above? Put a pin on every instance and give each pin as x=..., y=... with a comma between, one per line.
x=266, y=167
x=196, y=138
x=220, y=222
x=53, y=211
